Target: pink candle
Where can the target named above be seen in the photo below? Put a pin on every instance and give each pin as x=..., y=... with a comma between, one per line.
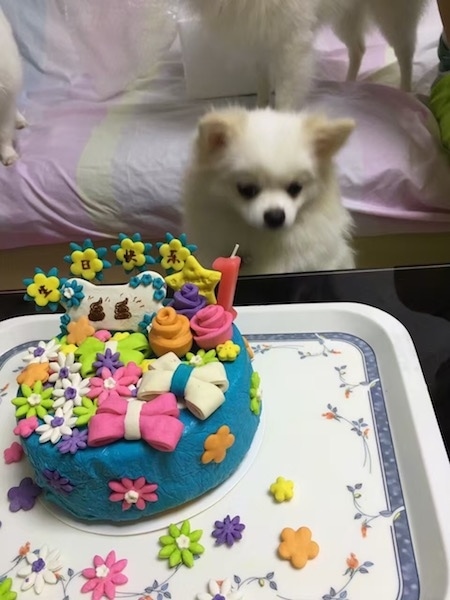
x=229, y=267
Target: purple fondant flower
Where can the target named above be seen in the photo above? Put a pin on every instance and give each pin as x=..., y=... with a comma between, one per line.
x=228, y=531
x=57, y=481
x=73, y=443
x=24, y=496
x=188, y=301
x=109, y=360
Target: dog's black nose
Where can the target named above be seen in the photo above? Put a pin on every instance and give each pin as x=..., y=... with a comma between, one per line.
x=274, y=218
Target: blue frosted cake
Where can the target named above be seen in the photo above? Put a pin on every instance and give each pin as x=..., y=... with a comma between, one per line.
x=141, y=404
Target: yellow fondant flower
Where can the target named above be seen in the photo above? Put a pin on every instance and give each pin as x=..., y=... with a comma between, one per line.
x=86, y=263
x=282, y=489
x=44, y=288
x=174, y=255
x=131, y=254
x=228, y=351
x=120, y=335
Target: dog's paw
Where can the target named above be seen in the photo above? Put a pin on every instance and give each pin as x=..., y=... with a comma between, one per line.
x=8, y=156
x=21, y=122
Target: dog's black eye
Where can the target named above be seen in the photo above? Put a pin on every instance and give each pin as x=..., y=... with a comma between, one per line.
x=248, y=190
x=294, y=189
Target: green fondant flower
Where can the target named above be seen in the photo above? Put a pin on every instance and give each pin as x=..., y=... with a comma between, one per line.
x=132, y=348
x=255, y=394
x=6, y=592
x=86, y=411
x=201, y=358
x=181, y=545
x=35, y=401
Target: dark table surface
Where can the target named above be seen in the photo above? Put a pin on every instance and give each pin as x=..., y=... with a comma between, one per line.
x=418, y=297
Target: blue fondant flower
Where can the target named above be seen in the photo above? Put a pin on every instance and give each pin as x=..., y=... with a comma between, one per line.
x=63, y=322
x=159, y=286
x=146, y=323
x=72, y=294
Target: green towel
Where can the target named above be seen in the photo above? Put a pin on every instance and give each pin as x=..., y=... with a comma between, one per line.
x=440, y=107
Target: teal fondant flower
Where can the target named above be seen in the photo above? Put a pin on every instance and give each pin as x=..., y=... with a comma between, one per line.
x=72, y=293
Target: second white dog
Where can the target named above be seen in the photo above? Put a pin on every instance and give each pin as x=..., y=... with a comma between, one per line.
x=265, y=180
x=282, y=34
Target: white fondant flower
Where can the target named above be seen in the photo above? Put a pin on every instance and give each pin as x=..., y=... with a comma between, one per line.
x=41, y=569
x=57, y=425
x=72, y=389
x=64, y=367
x=42, y=353
x=220, y=590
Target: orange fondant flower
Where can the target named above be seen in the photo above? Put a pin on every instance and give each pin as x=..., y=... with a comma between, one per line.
x=352, y=562
x=34, y=372
x=217, y=444
x=80, y=330
x=297, y=546
x=170, y=332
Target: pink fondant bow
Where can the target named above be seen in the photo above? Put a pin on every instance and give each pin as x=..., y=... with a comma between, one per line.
x=156, y=422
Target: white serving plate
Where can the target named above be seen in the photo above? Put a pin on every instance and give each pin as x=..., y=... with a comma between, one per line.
x=378, y=497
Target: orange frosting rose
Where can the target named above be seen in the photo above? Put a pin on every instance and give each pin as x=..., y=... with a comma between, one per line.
x=170, y=332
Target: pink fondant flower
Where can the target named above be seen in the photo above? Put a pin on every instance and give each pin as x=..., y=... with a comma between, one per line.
x=25, y=427
x=103, y=335
x=13, y=454
x=133, y=370
x=111, y=386
x=104, y=576
x=131, y=492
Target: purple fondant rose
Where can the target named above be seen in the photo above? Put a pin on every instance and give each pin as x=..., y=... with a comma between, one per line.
x=188, y=301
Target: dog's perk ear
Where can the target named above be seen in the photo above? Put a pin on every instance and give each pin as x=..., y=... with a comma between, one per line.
x=215, y=131
x=328, y=136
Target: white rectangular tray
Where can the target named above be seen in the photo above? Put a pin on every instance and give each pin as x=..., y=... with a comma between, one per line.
x=346, y=416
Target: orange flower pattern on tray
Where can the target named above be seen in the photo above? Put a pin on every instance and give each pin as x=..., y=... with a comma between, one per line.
x=79, y=330
x=217, y=444
x=297, y=546
x=33, y=373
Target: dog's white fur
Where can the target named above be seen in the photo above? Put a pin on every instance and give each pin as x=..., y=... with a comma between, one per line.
x=10, y=83
x=237, y=149
x=282, y=33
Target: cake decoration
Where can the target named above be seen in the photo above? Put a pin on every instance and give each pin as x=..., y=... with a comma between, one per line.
x=192, y=272
x=181, y=545
x=6, y=592
x=282, y=489
x=217, y=444
x=23, y=497
x=104, y=576
x=255, y=393
x=86, y=261
x=170, y=332
x=41, y=569
x=228, y=531
x=133, y=493
x=220, y=590
x=132, y=253
x=173, y=252
x=202, y=387
x=13, y=454
x=155, y=422
x=137, y=391
x=33, y=373
x=229, y=267
x=297, y=546
x=43, y=289
x=212, y=326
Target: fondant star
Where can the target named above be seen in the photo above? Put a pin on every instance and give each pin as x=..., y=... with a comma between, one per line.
x=193, y=272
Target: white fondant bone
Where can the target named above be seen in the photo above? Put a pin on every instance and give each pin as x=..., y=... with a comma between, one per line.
x=140, y=303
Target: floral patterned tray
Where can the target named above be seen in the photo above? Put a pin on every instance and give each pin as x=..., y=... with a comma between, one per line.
x=347, y=419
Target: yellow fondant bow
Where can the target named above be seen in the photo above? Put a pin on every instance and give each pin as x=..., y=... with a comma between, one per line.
x=202, y=387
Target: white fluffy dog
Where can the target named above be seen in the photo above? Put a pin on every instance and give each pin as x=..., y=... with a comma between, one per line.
x=265, y=180
x=10, y=83
x=282, y=32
